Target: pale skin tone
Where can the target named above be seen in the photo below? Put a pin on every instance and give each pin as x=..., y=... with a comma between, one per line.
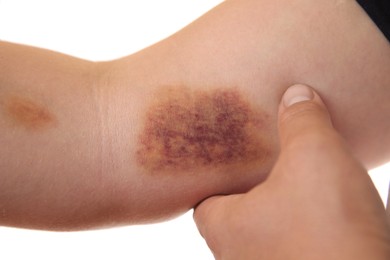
x=318, y=202
x=71, y=129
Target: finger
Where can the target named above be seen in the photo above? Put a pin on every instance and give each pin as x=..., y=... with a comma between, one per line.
x=206, y=212
x=302, y=113
x=211, y=216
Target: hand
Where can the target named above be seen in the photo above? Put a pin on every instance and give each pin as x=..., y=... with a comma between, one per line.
x=317, y=203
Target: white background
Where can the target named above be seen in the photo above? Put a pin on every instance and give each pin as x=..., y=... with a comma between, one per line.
x=101, y=30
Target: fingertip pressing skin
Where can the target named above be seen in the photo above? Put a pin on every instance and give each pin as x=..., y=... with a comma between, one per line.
x=186, y=130
x=29, y=114
x=296, y=94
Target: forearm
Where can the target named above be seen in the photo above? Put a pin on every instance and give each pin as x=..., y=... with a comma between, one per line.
x=75, y=140
x=49, y=136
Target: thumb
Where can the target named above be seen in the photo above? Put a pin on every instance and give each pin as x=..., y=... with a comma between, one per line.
x=301, y=113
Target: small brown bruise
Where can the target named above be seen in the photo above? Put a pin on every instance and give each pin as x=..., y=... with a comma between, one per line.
x=24, y=112
x=185, y=130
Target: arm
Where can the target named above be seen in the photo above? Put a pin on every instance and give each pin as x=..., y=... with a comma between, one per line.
x=110, y=148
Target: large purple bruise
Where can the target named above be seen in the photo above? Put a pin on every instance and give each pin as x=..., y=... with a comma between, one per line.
x=190, y=129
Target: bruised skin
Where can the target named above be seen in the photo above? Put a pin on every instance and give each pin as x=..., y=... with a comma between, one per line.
x=193, y=142
x=187, y=130
x=23, y=112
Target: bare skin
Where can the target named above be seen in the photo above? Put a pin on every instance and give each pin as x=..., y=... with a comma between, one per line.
x=76, y=136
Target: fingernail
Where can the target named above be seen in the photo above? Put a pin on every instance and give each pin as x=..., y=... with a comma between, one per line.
x=297, y=93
